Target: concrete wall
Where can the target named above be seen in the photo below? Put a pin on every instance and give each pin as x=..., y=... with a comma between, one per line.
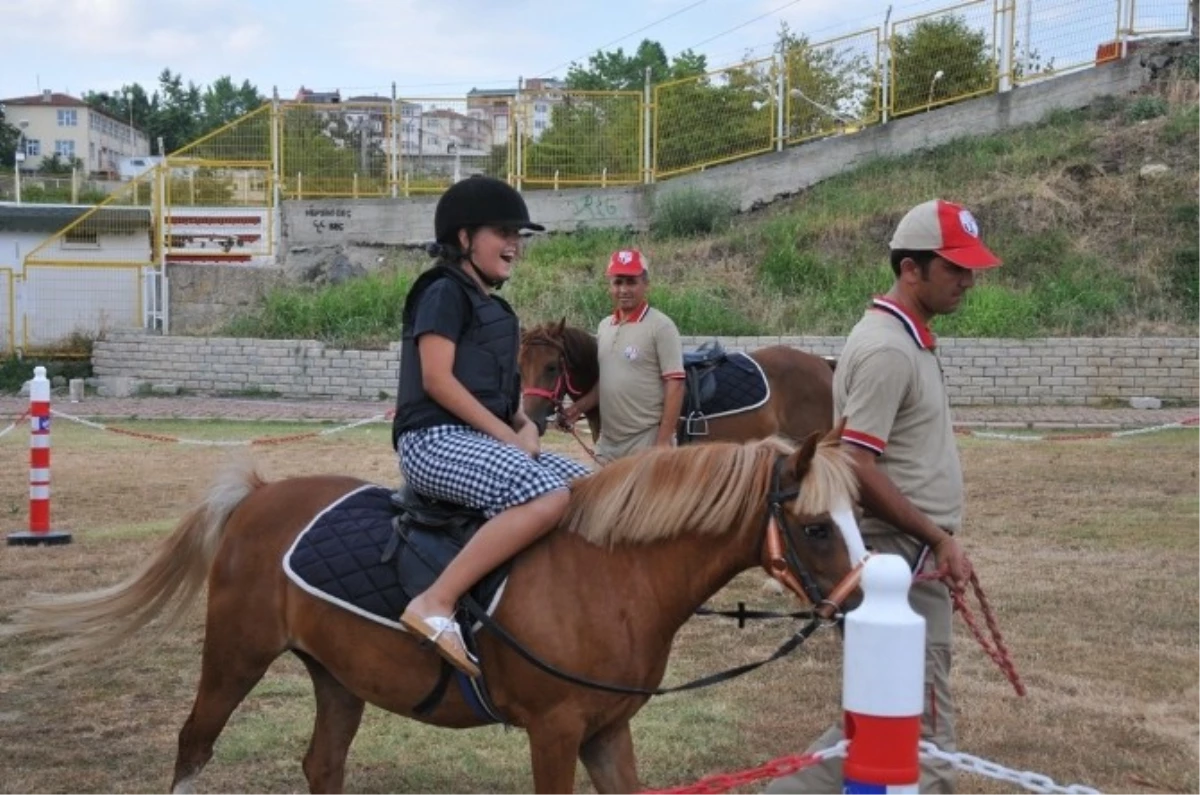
x=761, y=180
x=204, y=296
x=1075, y=371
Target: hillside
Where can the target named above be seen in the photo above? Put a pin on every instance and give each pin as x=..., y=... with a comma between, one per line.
x=1094, y=212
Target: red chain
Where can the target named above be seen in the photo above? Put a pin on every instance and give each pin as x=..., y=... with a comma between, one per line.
x=723, y=782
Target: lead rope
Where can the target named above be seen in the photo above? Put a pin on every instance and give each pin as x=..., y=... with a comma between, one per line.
x=994, y=648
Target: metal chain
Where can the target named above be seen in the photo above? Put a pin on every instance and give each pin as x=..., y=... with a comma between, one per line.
x=1033, y=782
x=776, y=768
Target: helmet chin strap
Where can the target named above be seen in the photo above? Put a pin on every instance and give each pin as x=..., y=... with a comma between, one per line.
x=495, y=284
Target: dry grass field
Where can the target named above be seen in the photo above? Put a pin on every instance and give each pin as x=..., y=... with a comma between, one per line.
x=1088, y=551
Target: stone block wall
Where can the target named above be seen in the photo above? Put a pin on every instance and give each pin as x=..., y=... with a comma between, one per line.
x=1037, y=372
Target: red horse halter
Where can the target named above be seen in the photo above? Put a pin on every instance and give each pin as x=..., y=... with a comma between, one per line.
x=562, y=385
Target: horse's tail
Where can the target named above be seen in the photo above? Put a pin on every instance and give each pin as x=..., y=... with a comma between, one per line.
x=103, y=620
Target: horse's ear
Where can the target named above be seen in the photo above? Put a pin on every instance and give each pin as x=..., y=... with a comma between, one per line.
x=802, y=458
x=560, y=327
x=835, y=433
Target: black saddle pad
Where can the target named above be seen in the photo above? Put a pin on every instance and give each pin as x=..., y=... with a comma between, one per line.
x=740, y=385
x=353, y=554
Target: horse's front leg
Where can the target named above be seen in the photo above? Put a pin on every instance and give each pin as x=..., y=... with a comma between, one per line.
x=609, y=759
x=553, y=748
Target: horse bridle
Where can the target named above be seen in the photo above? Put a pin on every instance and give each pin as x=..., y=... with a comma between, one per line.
x=782, y=562
x=562, y=385
x=777, y=551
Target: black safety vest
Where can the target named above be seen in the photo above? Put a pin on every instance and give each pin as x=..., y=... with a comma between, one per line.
x=485, y=359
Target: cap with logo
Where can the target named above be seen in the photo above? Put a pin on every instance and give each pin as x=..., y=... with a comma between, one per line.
x=627, y=262
x=947, y=229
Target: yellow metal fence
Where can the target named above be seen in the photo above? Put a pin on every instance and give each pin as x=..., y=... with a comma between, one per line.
x=216, y=200
x=90, y=276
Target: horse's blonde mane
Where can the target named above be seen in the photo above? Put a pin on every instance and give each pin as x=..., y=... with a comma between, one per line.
x=704, y=489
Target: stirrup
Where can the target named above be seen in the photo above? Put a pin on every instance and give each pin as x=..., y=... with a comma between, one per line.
x=696, y=420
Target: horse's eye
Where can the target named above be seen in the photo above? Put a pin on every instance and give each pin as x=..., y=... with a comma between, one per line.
x=552, y=369
x=817, y=531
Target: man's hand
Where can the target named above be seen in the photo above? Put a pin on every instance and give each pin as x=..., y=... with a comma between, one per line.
x=569, y=415
x=953, y=565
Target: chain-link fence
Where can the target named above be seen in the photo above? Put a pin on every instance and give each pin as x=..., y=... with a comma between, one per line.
x=574, y=138
x=832, y=87
x=715, y=118
x=90, y=276
x=8, y=333
x=1050, y=37
x=1155, y=17
x=942, y=57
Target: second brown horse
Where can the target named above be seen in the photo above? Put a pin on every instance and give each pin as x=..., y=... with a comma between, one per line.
x=559, y=361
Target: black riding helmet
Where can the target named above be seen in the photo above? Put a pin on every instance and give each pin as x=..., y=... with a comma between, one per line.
x=480, y=201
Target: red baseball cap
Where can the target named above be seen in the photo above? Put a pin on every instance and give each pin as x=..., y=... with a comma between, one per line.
x=626, y=262
x=947, y=229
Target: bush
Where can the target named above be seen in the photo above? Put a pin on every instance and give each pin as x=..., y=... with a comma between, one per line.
x=1148, y=107
x=691, y=213
x=363, y=312
x=1183, y=281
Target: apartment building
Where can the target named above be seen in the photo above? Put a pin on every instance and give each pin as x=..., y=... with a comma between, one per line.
x=538, y=98
x=53, y=123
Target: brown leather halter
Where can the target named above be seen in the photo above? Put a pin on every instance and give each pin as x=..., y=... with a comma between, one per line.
x=783, y=564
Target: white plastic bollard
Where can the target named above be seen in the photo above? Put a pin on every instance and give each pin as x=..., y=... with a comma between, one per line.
x=39, y=531
x=883, y=682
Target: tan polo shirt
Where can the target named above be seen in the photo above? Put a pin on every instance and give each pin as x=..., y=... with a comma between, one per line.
x=889, y=387
x=636, y=354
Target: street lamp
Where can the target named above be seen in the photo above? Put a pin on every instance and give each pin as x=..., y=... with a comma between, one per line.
x=132, y=134
x=839, y=117
x=938, y=75
x=19, y=157
x=452, y=149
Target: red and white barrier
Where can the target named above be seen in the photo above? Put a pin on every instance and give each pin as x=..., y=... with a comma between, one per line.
x=883, y=682
x=39, y=531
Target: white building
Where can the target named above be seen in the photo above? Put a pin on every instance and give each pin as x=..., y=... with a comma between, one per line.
x=60, y=124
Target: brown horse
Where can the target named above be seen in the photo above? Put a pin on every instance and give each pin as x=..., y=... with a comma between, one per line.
x=559, y=361
x=645, y=541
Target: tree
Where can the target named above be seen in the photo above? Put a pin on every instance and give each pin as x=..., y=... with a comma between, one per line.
x=945, y=46
x=596, y=136
x=223, y=102
x=616, y=71
x=9, y=136
x=57, y=165
x=828, y=86
x=180, y=115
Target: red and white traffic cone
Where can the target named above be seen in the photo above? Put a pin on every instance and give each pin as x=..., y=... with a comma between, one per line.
x=39, y=531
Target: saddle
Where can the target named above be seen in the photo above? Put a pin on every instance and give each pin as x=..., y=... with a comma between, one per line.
x=699, y=386
x=428, y=534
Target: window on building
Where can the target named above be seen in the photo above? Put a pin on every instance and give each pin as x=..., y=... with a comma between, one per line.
x=540, y=107
x=64, y=149
x=539, y=125
x=500, y=123
x=68, y=117
x=80, y=237
x=33, y=147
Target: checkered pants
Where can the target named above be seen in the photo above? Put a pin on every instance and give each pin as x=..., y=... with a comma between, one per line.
x=461, y=465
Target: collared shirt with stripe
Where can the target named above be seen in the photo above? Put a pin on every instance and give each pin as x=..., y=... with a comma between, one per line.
x=637, y=353
x=890, y=388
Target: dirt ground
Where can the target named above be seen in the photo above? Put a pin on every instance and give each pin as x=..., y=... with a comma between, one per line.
x=1088, y=551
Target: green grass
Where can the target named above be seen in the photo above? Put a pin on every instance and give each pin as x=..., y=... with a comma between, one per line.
x=365, y=311
x=1088, y=249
